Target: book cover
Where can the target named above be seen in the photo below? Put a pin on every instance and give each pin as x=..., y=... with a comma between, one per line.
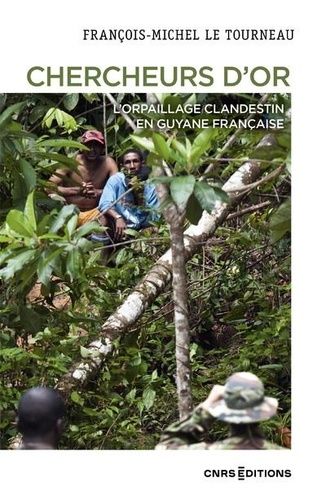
x=133, y=336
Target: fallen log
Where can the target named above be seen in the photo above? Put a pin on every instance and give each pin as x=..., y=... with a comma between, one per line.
x=159, y=276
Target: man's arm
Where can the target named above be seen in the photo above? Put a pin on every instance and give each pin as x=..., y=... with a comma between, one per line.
x=188, y=432
x=57, y=180
x=120, y=223
x=192, y=429
x=113, y=189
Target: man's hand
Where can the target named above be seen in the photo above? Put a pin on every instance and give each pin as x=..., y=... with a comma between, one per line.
x=213, y=398
x=88, y=190
x=120, y=226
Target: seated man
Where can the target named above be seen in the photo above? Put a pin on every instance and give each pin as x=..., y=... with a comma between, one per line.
x=84, y=186
x=125, y=201
x=40, y=418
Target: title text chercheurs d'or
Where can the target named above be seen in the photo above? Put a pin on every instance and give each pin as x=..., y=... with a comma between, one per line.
x=154, y=76
x=187, y=34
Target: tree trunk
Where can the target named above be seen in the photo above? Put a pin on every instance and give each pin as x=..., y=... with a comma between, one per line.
x=157, y=278
x=181, y=320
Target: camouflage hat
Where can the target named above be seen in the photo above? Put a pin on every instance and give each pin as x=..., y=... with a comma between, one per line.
x=244, y=401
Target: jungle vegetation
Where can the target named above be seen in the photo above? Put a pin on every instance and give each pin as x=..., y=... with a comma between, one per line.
x=56, y=292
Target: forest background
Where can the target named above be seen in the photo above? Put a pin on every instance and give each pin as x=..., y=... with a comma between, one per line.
x=238, y=284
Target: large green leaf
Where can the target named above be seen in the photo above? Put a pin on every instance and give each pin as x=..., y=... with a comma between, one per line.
x=62, y=143
x=49, y=117
x=7, y=113
x=66, y=212
x=44, y=269
x=29, y=211
x=178, y=146
x=148, y=397
x=162, y=180
x=19, y=190
x=201, y=144
x=70, y=101
x=144, y=143
x=17, y=263
x=71, y=225
x=181, y=188
x=65, y=120
x=37, y=113
x=62, y=118
x=209, y=196
x=73, y=264
x=161, y=146
x=18, y=223
x=87, y=228
x=194, y=210
x=60, y=158
x=280, y=222
x=29, y=174
x=269, y=152
x=172, y=102
x=6, y=254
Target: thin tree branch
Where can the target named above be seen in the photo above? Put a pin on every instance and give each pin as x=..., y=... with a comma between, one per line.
x=267, y=178
x=124, y=115
x=241, y=160
x=230, y=141
x=252, y=208
x=129, y=242
x=104, y=127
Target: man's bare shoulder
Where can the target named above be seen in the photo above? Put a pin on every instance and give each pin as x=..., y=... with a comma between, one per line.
x=80, y=158
x=110, y=165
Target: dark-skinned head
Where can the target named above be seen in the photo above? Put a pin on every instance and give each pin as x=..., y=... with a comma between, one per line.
x=132, y=161
x=40, y=415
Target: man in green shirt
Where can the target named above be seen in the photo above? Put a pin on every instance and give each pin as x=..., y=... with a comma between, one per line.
x=241, y=403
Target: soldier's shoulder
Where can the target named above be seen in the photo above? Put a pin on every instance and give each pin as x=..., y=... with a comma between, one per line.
x=239, y=443
x=178, y=445
x=227, y=444
x=268, y=445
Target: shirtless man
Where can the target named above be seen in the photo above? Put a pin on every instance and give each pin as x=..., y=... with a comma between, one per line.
x=83, y=187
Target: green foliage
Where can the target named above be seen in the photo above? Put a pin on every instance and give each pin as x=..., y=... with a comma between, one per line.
x=70, y=101
x=62, y=118
x=62, y=143
x=208, y=196
x=39, y=250
x=190, y=195
x=181, y=188
x=240, y=281
x=281, y=221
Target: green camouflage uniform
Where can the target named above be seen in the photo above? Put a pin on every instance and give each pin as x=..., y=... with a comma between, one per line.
x=186, y=435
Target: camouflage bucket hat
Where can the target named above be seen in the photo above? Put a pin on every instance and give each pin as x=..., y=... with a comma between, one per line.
x=244, y=401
